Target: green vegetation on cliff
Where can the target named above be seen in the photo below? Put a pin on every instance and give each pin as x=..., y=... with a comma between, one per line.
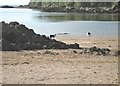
x=73, y=4
x=92, y=7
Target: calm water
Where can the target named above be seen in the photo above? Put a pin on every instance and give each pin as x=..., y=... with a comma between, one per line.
x=73, y=23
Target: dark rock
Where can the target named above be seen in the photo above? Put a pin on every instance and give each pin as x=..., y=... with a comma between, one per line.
x=44, y=36
x=3, y=22
x=14, y=23
x=80, y=52
x=74, y=51
x=7, y=6
x=117, y=53
x=74, y=46
x=97, y=51
x=50, y=53
x=26, y=62
x=19, y=37
x=6, y=46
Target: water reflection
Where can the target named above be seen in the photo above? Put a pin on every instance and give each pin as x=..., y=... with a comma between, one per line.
x=77, y=17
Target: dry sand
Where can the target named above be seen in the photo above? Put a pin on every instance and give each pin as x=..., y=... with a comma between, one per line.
x=62, y=66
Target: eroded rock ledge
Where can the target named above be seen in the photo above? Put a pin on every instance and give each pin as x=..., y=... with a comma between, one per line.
x=78, y=7
x=17, y=36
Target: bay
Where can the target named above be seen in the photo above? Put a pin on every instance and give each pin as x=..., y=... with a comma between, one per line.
x=76, y=24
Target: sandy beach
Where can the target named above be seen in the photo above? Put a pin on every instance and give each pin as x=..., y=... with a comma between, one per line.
x=66, y=66
x=101, y=42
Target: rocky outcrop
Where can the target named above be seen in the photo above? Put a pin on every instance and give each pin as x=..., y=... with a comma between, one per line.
x=17, y=36
x=7, y=6
x=80, y=10
x=81, y=7
x=97, y=51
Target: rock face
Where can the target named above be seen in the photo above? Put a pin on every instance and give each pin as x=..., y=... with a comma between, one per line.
x=17, y=36
x=70, y=6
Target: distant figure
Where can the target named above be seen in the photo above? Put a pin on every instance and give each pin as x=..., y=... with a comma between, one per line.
x=88, y=34
x=52, y=36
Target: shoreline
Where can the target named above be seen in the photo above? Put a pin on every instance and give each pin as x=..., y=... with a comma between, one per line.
x=101, y=42
x=60, y=11
x=75, y=12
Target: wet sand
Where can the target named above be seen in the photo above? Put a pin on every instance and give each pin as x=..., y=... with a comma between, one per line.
x=101, y=42
x=67, y=66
